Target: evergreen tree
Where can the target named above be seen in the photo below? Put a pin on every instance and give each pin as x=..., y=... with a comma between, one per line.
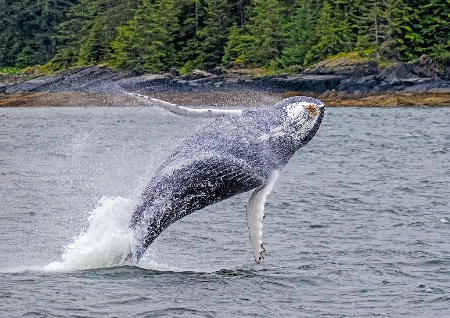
x=238, y=41
x=146, y=42
x=70, y=34
x=262, y=38
x=27, y=29
x=105, y=17
x=327, y=35
x=95, y=45
x=213, y=35
x=238, y=11
x=267, y=31
x=377, y=25
x=358, y=16
x=406, y=30
x=387, y=44
x=301, y=32
x=9, y=46
x=156, y=34
x=187, y=44
x=435, y=21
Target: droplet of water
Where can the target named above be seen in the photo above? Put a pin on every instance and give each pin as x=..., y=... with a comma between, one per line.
x=445, y=220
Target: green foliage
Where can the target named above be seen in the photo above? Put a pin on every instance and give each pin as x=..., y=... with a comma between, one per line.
x=260, y=40
x=301, y=33
x=213, y=35
x=146, y=42
x=329, y=41
x=107, y=16
x=27, y=28
x=26, y=57
x=70, y=34
x=268, y=31
x=8, y=70
x=155, y=35
x=187, y=68
x=441, y=52
x=238, y=44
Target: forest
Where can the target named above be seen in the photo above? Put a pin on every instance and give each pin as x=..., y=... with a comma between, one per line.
x=158, y=35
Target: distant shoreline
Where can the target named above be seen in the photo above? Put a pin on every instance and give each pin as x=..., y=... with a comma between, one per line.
x=338, y=82
x=213, y=99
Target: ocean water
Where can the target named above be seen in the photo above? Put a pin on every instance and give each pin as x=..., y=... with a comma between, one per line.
x=358, y=224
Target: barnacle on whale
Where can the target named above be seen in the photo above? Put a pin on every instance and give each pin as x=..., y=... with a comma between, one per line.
x=312, y=110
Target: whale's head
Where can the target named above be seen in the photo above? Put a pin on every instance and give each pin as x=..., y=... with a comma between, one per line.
x=303, y=116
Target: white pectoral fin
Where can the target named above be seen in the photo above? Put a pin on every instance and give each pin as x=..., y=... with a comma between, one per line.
x=255, y=215
x=186, y=111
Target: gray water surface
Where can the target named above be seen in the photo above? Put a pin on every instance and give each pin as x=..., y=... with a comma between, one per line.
x=358, y=224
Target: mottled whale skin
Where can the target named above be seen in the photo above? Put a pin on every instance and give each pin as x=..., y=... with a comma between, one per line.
x=235, y=153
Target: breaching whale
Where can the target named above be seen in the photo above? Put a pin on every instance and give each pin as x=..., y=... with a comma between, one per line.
x=240, y=150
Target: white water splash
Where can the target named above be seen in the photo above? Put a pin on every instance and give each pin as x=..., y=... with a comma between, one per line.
x=445, y=220
x=105, y=243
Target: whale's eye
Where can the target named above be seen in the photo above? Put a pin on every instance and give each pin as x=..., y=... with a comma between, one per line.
x=312, y=110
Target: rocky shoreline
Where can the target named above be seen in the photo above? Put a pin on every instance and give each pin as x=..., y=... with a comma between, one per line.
x=340, y=82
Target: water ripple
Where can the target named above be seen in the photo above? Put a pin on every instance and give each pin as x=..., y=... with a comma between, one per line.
x=360, y=230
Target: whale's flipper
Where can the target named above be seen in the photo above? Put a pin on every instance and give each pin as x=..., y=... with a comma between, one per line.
x=186, y=111
x=255, y=215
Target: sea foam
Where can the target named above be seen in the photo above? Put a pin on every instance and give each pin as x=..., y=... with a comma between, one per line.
x=106, y=241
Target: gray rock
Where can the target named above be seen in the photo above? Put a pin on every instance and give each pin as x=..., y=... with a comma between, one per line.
x=418, y=76
x=381, y=87
x=143, y=82
x=218, y=71
x=197, y=74
x=27, y=86
x=304, y=83
x=419, y=88
x=441, y=88
x=344, y=66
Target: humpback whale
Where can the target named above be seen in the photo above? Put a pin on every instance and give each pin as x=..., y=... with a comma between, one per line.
x=239, y=151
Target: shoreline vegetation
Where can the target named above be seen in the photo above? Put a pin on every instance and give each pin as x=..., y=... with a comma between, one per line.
x=344, y=80
x=345, y=52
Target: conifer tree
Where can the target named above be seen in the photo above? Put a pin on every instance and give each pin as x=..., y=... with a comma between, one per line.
x=27, y=28
x=435, y=21
x=238, y=45
x=267, y=31
x=146, y=42
x=191, y=16
x=213, y=35
x=238, y=11
x=157, y=34
x=301, y=34
x=70, y=34
x=406, y=29
x=10, y=41
x=262, y=38
x=106, y=16
x=327, y=35
x=387, y=44
x=95, y=45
